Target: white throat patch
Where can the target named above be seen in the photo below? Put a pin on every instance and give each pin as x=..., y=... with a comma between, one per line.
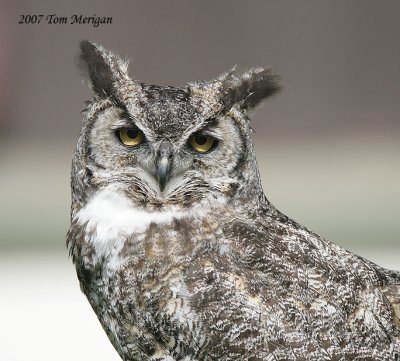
x=110, y=217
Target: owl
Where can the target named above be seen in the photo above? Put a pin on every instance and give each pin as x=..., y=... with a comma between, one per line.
x=180, y=253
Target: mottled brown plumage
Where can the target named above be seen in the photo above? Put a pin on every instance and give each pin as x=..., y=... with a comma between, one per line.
x=179, y=252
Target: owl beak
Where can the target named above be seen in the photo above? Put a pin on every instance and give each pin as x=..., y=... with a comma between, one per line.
x=163, y=171
x=164, y=164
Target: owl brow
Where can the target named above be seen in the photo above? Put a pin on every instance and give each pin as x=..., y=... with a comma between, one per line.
x=125, y=121
x=210, y=128
x=207, y=125
x=211, y=122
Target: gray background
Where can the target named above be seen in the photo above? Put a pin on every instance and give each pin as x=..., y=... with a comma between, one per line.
x=328, y=146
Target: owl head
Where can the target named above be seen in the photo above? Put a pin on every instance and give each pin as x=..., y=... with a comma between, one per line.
x=160, y=145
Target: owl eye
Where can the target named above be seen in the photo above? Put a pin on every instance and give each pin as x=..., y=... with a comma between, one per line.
x=130, y=136
x=202, y=143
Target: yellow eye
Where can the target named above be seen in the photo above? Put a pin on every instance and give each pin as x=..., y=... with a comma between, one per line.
x=130, y=136
x=202, y=143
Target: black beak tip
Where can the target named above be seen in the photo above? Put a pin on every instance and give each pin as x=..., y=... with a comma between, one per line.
x=163, y=175
x=162, y=182
x=164, y=165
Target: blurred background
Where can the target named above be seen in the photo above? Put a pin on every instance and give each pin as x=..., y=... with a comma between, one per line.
x=328, y=146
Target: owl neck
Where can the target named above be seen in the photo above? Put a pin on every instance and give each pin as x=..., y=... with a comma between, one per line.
x=250, y=194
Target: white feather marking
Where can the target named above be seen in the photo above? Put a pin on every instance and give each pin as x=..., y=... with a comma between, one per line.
x=110, y=217
x=224, y=248
x=182, y=312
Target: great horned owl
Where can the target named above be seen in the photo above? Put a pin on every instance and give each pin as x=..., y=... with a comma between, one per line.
x=178, y=250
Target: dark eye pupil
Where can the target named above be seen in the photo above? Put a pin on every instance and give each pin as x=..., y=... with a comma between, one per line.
x=132, y=133
x=200, y=139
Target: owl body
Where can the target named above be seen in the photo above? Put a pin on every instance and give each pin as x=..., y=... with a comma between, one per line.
x=178, y=250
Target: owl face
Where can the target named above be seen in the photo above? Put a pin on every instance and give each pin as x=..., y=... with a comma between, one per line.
x=164, y=145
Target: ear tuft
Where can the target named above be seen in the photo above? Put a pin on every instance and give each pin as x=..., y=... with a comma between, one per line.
x=247, y=89
x=102, y=67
